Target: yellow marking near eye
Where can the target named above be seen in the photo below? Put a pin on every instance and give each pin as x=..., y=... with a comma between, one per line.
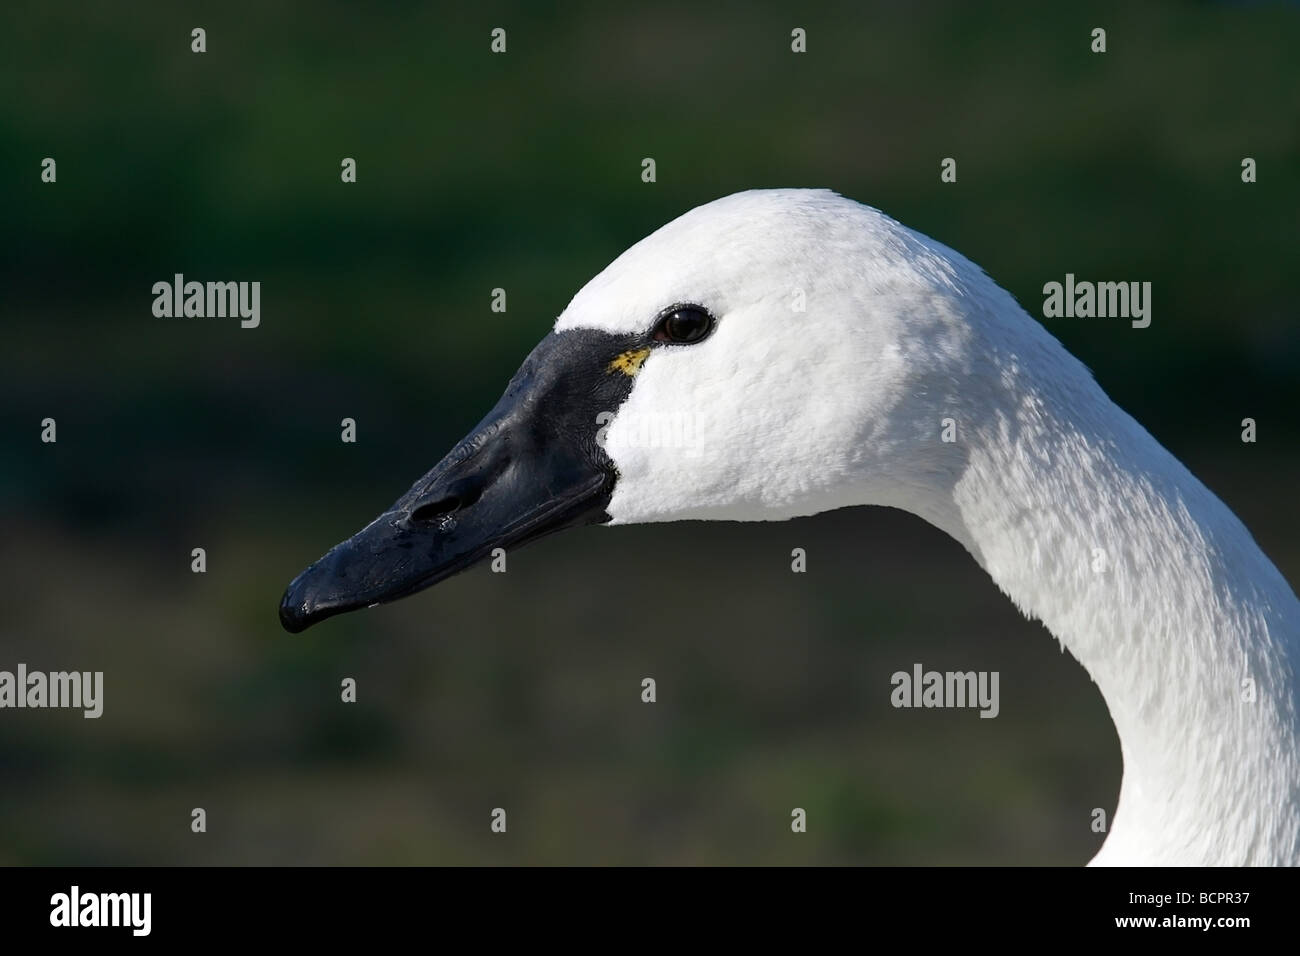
x=629, y=363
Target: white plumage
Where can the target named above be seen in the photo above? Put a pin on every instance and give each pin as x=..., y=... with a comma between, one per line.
x=795, y=412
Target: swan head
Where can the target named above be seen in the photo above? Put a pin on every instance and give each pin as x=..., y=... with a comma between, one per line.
x=771, y=354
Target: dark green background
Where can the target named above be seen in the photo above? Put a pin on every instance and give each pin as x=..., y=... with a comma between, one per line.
x=523, y=171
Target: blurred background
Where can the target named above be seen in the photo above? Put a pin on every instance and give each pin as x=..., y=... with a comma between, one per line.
x=522, y=171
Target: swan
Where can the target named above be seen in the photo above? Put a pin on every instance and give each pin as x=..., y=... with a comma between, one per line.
x=821, y=353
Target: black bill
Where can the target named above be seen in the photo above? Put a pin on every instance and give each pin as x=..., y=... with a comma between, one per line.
x=531, y=467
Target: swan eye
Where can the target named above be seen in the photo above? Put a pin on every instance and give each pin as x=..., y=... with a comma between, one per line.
x=683, y=325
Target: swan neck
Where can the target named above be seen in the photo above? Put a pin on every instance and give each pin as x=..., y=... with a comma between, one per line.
x=1157, y=589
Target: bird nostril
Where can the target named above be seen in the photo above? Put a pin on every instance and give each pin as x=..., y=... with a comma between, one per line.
x=436, y=509
x=463, y=497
